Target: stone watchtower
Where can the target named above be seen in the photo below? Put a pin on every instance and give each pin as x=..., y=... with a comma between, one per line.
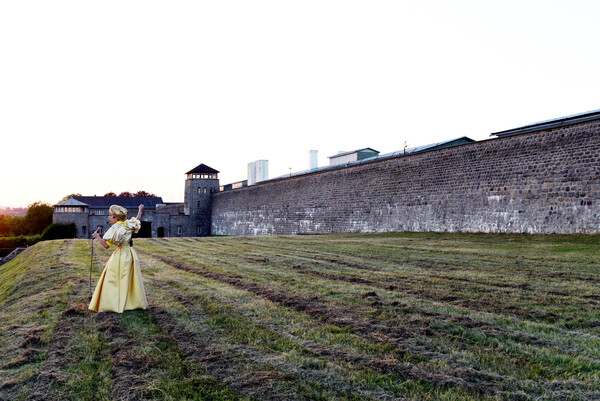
x=201, y=182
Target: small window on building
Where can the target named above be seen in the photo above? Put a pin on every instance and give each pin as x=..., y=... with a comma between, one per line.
x=199, y=191
x=204, y=189
x=198, y=203
x=84, y=230
x=179, y=230
x=198, y=230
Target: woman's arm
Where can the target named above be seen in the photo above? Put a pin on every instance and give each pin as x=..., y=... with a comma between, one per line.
x=99, y=239
x=139, y=215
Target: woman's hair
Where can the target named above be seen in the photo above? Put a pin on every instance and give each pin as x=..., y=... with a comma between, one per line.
x=118, y=211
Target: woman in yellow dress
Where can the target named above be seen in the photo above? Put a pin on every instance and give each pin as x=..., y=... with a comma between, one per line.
x=120, y=286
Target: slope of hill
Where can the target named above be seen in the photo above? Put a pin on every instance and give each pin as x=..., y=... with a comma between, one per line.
x=330, y=317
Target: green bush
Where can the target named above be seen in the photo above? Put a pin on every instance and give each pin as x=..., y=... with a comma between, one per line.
x=33, y=239
x=7, y=244
x=59, y=231
x=13, y=242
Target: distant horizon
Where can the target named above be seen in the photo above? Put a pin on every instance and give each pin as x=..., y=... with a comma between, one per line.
x=20, y=211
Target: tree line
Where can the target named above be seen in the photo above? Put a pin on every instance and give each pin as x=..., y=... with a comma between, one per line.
x=128, y=194
x=35, y=221
x=124, y=194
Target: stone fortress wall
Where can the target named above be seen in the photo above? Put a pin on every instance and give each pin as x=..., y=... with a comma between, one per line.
x=537, y=182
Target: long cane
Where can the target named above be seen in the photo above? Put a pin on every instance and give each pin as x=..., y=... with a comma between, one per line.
x=91, y=264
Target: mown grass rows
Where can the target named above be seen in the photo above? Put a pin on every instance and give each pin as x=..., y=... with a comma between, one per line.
x=331, y=317
x=265, y=337
x=514, y=344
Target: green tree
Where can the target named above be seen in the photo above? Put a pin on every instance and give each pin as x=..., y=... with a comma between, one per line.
x=38, y=217
x=143, y=193
x=12, y=226
x=67, y=197
x=5, y=225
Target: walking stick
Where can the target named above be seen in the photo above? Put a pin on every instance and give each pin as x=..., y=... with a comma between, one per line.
x=92, y=260
x=91, y=264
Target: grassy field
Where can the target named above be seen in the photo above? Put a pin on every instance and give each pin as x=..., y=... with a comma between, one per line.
x=403, y=316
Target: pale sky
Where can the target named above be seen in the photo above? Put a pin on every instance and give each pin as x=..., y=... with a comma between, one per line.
x=129, y=95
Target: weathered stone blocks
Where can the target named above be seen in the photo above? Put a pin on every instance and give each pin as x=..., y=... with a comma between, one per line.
x=540, y=182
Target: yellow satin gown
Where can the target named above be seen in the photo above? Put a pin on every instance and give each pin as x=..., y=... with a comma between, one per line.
x=120, y=286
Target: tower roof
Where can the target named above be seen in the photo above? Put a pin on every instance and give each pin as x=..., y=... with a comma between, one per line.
x=202, y=168
x=70, y=201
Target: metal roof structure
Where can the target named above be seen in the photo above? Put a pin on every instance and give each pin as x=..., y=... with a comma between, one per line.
x=104, y=202
x=548, y=124
x=354, y=151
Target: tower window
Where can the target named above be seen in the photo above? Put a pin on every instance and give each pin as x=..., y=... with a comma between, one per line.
x=202, y=176
x=204, y=189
